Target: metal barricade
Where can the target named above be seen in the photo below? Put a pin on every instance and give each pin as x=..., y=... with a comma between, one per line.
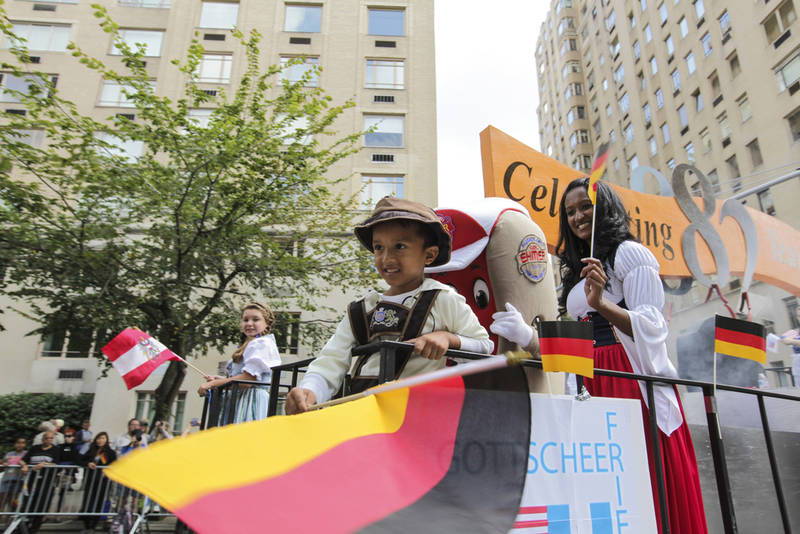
x=62, y=494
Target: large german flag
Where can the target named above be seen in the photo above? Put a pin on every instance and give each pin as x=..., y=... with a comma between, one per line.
x=740, y=339
x=567, y=346
x=450, y=456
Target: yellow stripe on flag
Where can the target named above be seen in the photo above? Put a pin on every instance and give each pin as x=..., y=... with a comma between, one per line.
x=235, y=455
x=568, y=364
x=740, y=351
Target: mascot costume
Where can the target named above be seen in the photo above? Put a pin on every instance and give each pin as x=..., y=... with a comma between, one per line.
x=500, y=264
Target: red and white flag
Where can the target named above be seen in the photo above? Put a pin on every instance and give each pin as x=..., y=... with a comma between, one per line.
x=135, y=355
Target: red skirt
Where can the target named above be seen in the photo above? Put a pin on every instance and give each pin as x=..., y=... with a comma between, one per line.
x=681, y=480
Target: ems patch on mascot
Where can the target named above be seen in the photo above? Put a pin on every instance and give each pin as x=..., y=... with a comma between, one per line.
x=500, y=256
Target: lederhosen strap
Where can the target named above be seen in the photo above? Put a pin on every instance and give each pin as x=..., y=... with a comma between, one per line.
x=412, y=328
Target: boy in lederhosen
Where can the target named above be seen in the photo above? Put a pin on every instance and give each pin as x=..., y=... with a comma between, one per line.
x=405, y=237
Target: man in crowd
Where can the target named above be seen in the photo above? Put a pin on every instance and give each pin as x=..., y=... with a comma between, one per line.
x=134, y=434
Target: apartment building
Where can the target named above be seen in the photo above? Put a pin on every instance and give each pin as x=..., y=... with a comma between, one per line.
x=378, y=53
x=711, y=83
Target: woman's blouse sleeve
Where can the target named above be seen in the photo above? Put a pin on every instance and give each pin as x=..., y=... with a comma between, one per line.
x=260, y=355
x=637, y=268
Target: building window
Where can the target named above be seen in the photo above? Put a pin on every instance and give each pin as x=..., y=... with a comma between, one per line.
x=647, y=114
x=570, y=67
x=611, y=20
x=659, y=99
x=375, y=188
x=755, y=152
x=612, y=136
x=765, y=202
x=619, y=74
x=736, y=68
x=698, y=100
x=633, y=162
x=671, y=163
x=126, y=149
x=386, y=22
x=146, y=409
x=642, y=82
x=653, y=145
x=648, y=34
x=689, y=148
x=684, y=27
x=302, y=69
x=616, y=164
x=624, y=103
x=724, y=127
x=665, y=133
x=219, y=15
x=733, y=167
x=628, y=132
x=596, y=126
x=744, y=108
x=788, y=73
x=699, y=9
x=691, y=66
x=21, y=84
x=303, y=18
x=662, y=13
x=605, y=84
x=653, y=65
x=676, y=81
x=705, y=140
x=151, y=39
x=706, y=41
x=683, y=116
x=215, y=68
x=41, y=37
x=716, y=88
x=794, y=125
x=61, y=343
x=113, y=94
x=779, y=20
x=670, y=46
x=567, y=25
x=160, y=4
x=200, y=117
x=32, y=138
x=388, y=130
x=385, y=74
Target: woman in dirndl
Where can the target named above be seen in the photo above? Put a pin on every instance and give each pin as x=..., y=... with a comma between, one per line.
x=620, y=292
x=252, y=361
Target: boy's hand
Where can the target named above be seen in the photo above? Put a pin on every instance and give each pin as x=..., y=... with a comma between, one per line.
x=299, y=400
x=433, y=345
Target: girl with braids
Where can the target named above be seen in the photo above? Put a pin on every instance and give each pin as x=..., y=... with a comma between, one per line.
x=620, y=292
x=253, y=361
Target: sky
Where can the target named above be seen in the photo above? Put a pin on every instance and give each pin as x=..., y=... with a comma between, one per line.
x=485, y=74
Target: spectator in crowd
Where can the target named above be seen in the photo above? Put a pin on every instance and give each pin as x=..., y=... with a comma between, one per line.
x=134, y=433
x=45, y=426
x=83, y=437
x=12, y=477
x=41, y=482
x=160, y=431
x=144, y=424
x=100, y=454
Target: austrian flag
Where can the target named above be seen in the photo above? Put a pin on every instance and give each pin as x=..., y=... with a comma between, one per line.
x=135, y=355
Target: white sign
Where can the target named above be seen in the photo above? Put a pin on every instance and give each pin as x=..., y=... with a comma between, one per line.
x=587, y=469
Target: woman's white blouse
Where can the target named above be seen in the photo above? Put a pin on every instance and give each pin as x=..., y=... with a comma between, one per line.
x=635, y=278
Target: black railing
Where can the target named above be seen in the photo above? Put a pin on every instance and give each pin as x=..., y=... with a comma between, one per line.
x=222, y=402
x=389, y=349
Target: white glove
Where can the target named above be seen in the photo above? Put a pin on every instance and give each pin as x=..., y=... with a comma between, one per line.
x=512, y=326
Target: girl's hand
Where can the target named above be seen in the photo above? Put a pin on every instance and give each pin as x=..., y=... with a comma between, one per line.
x=92, y=465
x=596, y=280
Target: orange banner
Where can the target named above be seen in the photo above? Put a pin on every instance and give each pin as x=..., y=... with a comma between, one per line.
x=537, y=182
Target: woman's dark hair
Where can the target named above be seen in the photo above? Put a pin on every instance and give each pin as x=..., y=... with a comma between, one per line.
x=612, y=227
x=94, y=448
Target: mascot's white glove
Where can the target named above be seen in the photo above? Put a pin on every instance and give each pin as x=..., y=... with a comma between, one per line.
x=512, y=326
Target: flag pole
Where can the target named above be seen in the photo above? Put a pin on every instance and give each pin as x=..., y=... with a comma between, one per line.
x=715, y=373
x=202, y=373
x=478, y=366
x=591, y=243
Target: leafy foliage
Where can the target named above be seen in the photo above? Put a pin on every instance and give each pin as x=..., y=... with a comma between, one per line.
x=22, y=413
x=176, y=240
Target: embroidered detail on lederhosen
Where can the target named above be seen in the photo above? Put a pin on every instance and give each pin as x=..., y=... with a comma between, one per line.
x=386, y=321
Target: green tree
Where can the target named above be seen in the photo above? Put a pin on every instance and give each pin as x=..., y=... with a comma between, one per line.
x=22, y=413
x=174, y=241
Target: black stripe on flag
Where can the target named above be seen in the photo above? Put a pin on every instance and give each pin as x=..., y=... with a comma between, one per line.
x=739, y=325
x=567, y=329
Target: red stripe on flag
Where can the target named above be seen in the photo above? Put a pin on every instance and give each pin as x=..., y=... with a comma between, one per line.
x=140, y=374
x=363, y=480
x=533, y=510
x=740, y=338
x=599, y=162
x=567, y=345
x=529, y=524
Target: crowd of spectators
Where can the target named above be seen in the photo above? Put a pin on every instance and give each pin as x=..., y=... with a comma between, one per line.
x=29, y=481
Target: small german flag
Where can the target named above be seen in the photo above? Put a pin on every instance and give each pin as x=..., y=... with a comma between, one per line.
x=740, y=339
x=567, y=346
x=598, y=168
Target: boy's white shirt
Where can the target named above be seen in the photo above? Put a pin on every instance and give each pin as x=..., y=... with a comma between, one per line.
x=449, y=312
